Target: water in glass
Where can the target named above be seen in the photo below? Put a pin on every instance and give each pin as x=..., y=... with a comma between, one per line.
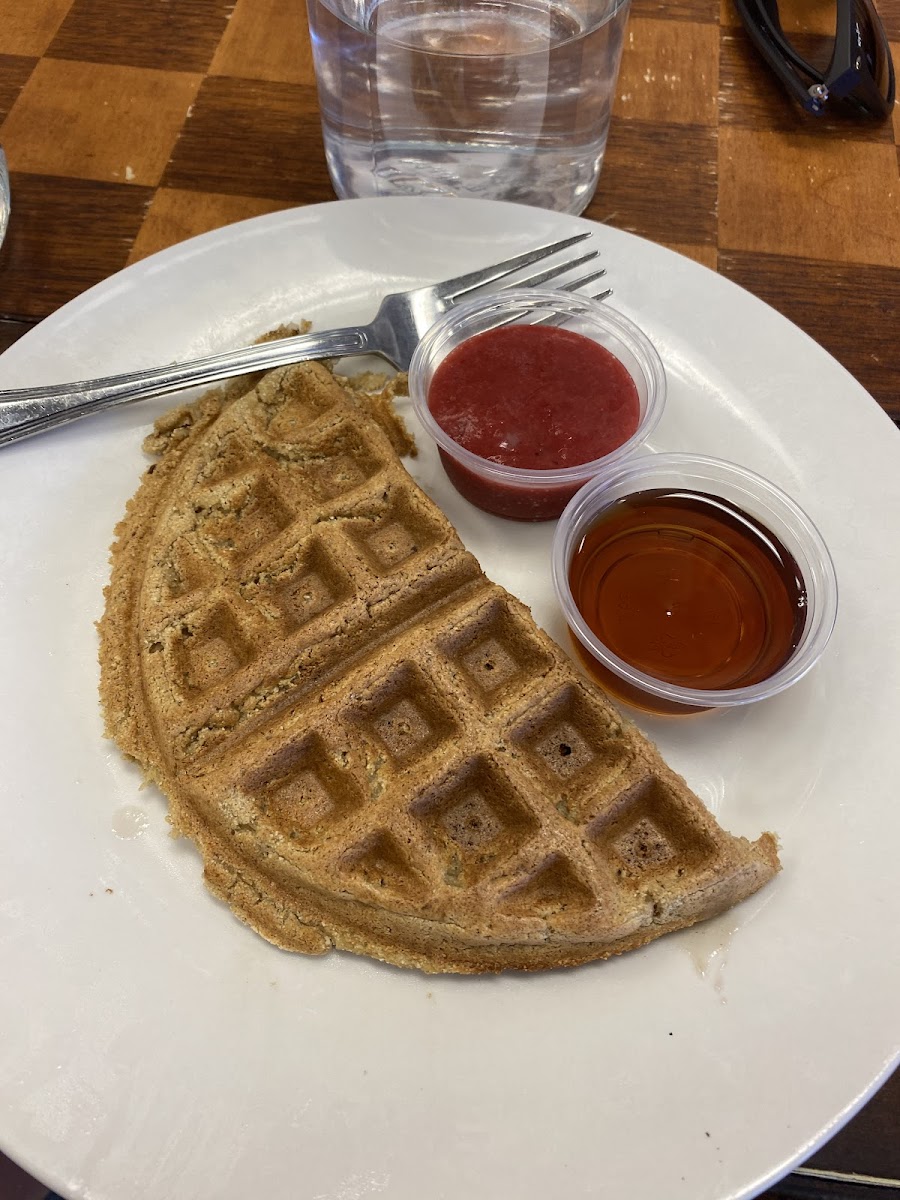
x=494, y=99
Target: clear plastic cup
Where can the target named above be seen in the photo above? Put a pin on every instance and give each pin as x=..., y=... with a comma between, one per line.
x=752, y=495
x=516, y=492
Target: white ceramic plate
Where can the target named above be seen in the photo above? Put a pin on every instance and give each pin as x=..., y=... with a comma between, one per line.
x=154, y=1047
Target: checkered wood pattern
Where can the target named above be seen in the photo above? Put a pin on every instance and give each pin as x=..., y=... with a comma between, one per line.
x=132, y=124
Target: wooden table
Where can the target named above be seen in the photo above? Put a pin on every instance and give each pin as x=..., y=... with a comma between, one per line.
x=133, y=124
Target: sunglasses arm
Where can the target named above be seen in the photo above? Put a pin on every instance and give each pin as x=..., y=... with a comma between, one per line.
x=813, y=97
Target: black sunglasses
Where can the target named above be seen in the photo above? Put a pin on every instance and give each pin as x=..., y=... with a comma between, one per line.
x=860, y=73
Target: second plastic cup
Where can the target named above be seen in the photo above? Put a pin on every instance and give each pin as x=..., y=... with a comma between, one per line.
x=696, y=581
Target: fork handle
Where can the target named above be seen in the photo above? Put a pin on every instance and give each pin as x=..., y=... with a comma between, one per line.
x=27, y=411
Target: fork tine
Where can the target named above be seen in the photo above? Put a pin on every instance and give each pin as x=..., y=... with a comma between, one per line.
x=580, y=282
x=551, y=272
x=451, y=289
x=4, y=195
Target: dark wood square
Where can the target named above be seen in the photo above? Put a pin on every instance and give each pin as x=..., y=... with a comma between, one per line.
x=703, y=12
x=659, y=181
x=178, y=35
x=251, y=138
x=64, y=236
x=843, y=306
x=14, y=71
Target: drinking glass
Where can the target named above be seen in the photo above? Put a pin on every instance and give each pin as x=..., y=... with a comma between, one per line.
x=492, y=99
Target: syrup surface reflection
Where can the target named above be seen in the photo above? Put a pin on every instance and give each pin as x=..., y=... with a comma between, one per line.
x=687, y=588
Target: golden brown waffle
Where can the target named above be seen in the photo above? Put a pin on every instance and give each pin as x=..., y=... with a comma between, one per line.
x=374, y=746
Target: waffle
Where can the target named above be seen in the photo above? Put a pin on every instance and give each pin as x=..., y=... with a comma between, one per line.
x=373, y=746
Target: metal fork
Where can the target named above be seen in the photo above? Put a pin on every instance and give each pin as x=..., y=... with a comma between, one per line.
x=4, y=195
x=402, y=319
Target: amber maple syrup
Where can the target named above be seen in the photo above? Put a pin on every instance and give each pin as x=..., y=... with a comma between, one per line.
x=689, y=589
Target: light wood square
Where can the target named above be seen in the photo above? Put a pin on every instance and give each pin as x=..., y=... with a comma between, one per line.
x=805, y=196
x=266, y=39
x=669, y=72
x=175, y=215
x=29, y=26
x=95, y=121
x=707, y=256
